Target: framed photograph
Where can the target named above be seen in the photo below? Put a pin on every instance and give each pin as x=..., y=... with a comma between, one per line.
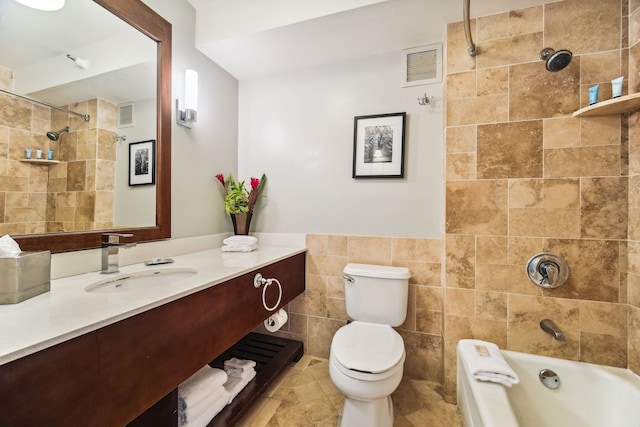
x=378, y=146
x=142, y=163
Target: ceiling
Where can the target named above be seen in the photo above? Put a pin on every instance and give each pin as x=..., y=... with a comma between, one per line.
x=36, y=43
x=251, y=38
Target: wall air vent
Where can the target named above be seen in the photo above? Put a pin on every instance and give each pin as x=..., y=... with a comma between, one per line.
x=125, y=115
x=422, y=65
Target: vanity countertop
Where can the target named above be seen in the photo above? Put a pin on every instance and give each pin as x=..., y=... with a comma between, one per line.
x=68, y=311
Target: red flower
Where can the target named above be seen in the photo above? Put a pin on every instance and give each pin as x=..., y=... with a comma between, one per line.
x=254, y=183
x=220, y=178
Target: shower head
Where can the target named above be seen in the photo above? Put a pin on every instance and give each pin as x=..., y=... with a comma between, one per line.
x=54, y=136
x=556, y=60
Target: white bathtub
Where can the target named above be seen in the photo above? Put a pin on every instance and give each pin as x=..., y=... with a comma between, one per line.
x=588, y=396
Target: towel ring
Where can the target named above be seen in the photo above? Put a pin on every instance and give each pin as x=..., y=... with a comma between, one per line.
x=259, y=280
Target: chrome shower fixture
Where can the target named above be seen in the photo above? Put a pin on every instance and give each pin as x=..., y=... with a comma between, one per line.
x=116, y=138
x=555, y=60
x=54, y=136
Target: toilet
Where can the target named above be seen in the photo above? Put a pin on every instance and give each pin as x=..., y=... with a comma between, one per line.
x=367, y=356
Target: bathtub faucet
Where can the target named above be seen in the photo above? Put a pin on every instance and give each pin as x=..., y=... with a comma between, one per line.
x=552, y=329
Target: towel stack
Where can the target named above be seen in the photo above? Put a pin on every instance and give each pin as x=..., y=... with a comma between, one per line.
x=240, y=372
x=486, y=363
x=202, y=396
x=240, y=244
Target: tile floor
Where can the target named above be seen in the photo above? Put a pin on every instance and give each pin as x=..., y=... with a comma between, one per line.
x=304, y=396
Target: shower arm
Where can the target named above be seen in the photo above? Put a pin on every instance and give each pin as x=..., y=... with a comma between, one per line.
x=86, y=117
x=471, y=50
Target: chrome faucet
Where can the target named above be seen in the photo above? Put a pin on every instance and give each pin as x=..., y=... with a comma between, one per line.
x=110, y=245
x=552, y=329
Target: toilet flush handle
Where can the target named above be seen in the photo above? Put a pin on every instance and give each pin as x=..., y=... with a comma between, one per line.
x=349, y=278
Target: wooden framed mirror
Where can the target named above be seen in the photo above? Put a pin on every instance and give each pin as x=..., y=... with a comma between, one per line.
x=149, y=23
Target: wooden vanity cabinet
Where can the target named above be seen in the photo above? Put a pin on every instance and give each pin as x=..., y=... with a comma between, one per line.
x=110, y=376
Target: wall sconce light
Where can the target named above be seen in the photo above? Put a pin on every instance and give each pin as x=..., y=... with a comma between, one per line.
x=187, y=113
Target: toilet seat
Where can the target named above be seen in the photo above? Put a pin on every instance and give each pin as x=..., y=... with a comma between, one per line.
x=366, y=350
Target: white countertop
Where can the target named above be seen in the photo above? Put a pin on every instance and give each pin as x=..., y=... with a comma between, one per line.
x=68, y=311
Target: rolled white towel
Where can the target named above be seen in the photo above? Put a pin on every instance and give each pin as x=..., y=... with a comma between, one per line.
x=239, y=373
x=199, y=385
x=486, y=362
x=239, y=247
x=241, y=240
x=235, y=385
x=200, y=413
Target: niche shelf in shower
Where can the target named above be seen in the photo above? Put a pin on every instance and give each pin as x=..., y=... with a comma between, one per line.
x=40, y=161
x=623, y=104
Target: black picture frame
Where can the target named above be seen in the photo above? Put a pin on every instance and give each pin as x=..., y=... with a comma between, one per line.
x=378, y=146
x=142, y=163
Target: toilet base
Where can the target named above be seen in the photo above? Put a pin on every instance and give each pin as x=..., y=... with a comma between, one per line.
x=370, y=413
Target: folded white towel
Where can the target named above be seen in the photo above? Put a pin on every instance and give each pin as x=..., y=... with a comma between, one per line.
x=200, y=385
x=486, y=362
x=235, y=385
x=241, y=240
x=201, y=413
x=238, y=247
x=239, y=373
x=236, y=363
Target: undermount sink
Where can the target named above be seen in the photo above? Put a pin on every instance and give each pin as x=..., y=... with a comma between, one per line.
x=140, y=280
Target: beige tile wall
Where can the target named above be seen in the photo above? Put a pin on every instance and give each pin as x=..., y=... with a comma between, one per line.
x=315, y=316
x=525, y=176
x=69, y=195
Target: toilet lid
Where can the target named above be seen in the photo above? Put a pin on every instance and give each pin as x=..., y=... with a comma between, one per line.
x=367, y=347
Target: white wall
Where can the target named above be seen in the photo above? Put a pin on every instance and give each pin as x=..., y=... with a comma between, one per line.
x=208, y=148
x=298, y=129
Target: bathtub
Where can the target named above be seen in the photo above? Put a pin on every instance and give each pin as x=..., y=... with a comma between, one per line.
x=588, y=396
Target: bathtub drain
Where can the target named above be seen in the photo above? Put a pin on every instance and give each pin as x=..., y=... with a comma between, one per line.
x=549, y=378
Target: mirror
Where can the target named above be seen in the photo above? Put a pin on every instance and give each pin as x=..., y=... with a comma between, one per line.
x=140, y=17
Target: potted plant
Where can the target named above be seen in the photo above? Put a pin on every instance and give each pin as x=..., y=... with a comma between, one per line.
x=239, y=202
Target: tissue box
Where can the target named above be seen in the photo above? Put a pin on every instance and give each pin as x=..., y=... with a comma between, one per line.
x=24, y=276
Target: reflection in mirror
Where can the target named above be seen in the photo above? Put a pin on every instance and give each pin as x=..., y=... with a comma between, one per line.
x=114, y=67
x=93, y=71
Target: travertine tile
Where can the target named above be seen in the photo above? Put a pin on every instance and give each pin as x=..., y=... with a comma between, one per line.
x=314, y=300
x=461, y=166
x=461, y=85
x=461, y=302
x=369, y=250
x=510, y=50
x=586, y=33
x=600, y=67
x=493, y=81
x=492, y=250
x=604, y=208
x=460, y=264
x=483, y=109
x=562, y=132
x=525, y=21
x=634, y=340
x=526, y=193
x=583, y=161
x=424, y=250
x=477, y=207
x=603, y=318
x=457, y=328
x=535, y=93
x=424, y=355
x=603, y=349
x=493, y=27
x=593, y=266
x=525, y=334
x=456, y=48
x=491, y=305
x=510, y=150
x=461, y=139
x=321, y=332
x=603, y=130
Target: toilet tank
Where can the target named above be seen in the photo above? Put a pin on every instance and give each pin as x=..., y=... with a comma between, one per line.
x=376, y=293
